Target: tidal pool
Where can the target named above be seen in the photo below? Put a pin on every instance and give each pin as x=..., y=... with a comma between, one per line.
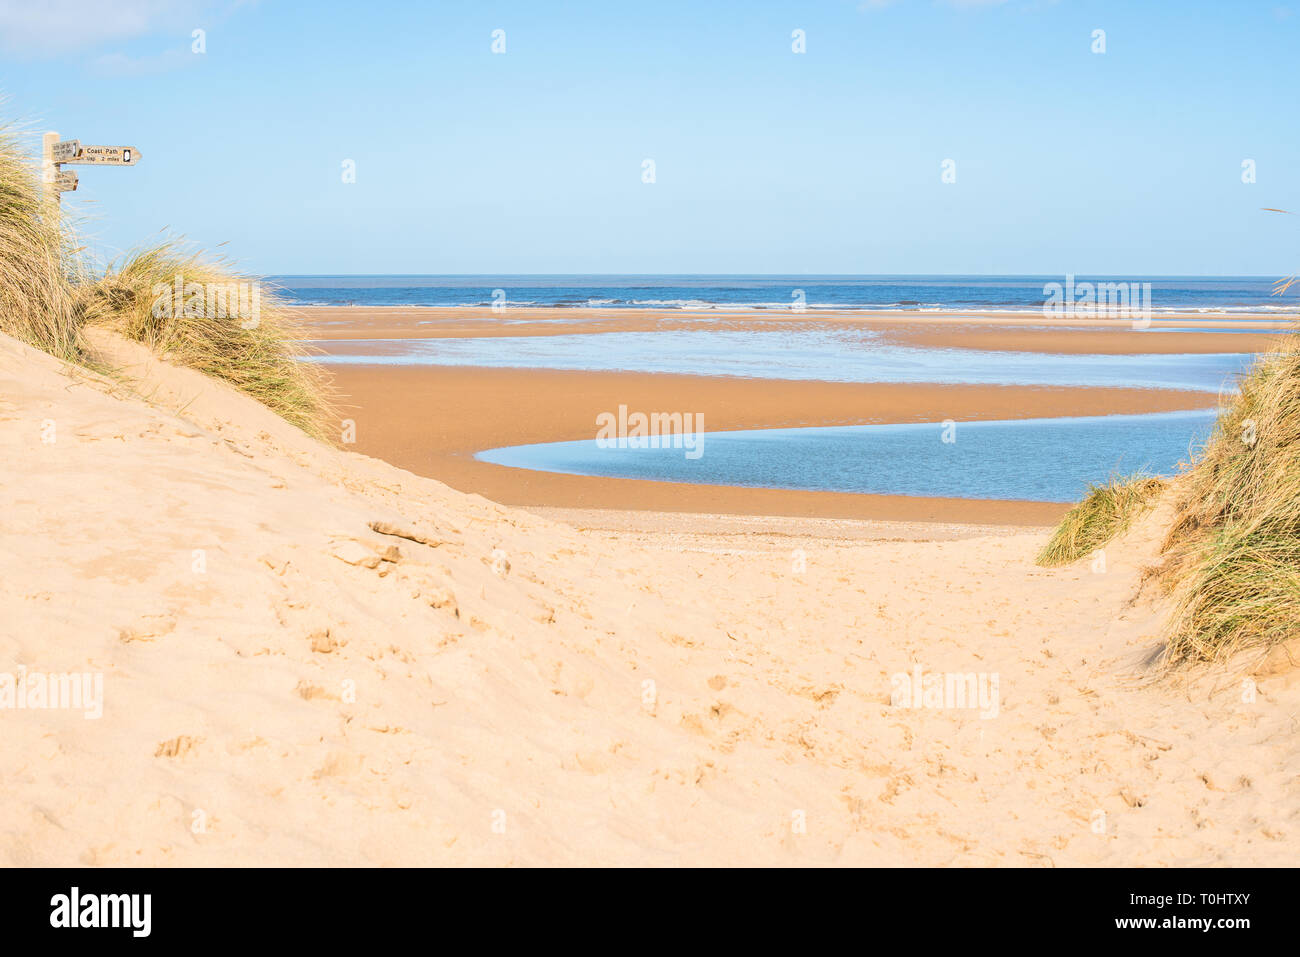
x=1049, y=460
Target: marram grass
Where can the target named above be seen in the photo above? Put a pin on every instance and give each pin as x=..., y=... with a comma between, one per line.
x=1106, y=511
x=196, y=312
x=1233, y=551
x=37, y=259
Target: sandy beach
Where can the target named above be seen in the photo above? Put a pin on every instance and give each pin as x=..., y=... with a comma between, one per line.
x=432, y=419
x=310, y=656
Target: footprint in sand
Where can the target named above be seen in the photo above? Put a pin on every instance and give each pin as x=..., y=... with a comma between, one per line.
x=312, y=692
x=177, y=747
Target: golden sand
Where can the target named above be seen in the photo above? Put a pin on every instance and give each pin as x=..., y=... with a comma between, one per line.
x=309, y=656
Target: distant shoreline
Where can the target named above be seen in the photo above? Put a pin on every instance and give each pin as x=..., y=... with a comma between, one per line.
x=705, y=294
x=1013, y=332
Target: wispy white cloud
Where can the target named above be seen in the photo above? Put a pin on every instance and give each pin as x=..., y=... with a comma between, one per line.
x=34, y=29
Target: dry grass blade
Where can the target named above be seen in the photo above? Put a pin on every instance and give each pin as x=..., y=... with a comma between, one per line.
x=1233, y=552
x=197, y=312
x=37, y=264
x=1105, y=512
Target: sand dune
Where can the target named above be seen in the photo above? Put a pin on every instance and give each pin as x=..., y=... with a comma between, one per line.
x=312, y=657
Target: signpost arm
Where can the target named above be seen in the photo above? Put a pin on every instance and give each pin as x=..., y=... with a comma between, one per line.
x=56, y=154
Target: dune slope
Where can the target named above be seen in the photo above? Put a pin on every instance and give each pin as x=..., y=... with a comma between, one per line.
x=311, y=657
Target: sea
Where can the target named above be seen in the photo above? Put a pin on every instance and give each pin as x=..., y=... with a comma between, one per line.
x=964, y=294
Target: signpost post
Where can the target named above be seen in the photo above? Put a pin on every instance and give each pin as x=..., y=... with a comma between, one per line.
x=48, y=172
x=56, y=153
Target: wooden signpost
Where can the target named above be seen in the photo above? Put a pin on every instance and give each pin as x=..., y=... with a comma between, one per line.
x=57, y=153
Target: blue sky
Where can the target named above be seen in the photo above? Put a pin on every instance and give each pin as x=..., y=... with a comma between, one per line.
x=766, y=161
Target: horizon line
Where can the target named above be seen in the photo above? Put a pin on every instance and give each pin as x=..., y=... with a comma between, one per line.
x=773, y=275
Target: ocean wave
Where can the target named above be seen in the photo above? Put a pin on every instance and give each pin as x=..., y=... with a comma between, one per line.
x=958, y=307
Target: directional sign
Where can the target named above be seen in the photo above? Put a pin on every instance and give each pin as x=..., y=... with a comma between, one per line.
x=105, y=156
x=66, y=150
x=57, y=153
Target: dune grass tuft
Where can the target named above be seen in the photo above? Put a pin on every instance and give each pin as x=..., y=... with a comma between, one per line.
x=37, y=260
x=1233, y=551
x=197, y=312
x=1106, y=511
x=47, y=295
